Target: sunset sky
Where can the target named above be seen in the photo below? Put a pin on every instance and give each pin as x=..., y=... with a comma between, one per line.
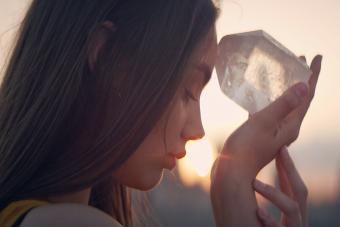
x=304, y=27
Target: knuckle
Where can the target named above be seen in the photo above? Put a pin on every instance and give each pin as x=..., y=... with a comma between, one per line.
x=281, y=126
x=277, y=130
x=294, y=133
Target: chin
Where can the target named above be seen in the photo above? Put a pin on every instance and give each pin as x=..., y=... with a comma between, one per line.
x=148, y=182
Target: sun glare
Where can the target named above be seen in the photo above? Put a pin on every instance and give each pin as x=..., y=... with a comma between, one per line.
x=195, y=167
x=199, y=154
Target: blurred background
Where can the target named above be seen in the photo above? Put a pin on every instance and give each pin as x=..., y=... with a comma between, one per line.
x=306, y=28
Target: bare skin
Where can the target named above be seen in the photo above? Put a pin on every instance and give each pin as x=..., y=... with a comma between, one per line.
x=233, y=185
x=144, y=169
x=251, y=147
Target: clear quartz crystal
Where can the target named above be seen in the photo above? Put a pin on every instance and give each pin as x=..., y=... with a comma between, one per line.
x=254, y=69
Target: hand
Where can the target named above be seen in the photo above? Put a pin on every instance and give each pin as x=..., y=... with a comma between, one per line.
x=291, y=199
x=257, y=141
x=252, y=146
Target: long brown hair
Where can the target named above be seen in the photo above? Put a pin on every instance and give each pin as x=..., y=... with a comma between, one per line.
x=64, y=127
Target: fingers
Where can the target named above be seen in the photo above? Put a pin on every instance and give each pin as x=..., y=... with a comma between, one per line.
x=288, y=206
x=293, y=192
x=290, y=126
x=298, y=187
x=294, y=181
x=266, y=219
x=316, y=68
x=285, y=104
x=283, y=180
x=291, y=99
x=284, y=116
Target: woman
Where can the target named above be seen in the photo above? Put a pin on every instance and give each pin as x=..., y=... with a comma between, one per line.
x=101, y=96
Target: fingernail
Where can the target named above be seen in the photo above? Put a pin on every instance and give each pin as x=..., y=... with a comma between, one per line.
x=318, y=58
x=301, y=89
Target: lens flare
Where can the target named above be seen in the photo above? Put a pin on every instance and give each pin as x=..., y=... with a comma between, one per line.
x=195, y=167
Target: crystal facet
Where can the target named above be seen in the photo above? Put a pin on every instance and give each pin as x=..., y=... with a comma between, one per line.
x=254, y=69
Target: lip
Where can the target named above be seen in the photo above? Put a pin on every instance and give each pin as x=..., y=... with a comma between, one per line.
x=181, y=154
x=170, y=163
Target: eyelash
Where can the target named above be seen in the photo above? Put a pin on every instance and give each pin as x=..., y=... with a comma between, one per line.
x=188, y=95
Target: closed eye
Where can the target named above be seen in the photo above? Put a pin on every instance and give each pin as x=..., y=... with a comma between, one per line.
x=207, y=71
x=190, y=95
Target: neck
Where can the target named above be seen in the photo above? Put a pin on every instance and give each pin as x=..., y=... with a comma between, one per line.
x=81, y=197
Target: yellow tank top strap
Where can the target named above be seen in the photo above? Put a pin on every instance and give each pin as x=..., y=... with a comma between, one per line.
x=14, y=210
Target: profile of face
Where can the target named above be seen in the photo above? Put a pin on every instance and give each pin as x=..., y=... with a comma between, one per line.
x=181, y=122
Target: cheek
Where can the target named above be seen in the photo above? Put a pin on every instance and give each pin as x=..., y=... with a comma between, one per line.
x=144, y=169
x=141, y=174
x=176, y=121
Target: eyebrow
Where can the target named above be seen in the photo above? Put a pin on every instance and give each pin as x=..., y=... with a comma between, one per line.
x=207, y=71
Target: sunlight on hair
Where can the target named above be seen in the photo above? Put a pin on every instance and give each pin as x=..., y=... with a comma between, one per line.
x=195, y=167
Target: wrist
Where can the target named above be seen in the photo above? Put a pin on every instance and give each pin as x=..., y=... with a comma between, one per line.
x=232, y=195
x=229, y=170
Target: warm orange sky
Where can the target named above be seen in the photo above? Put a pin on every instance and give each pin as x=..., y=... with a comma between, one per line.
x=304, y=27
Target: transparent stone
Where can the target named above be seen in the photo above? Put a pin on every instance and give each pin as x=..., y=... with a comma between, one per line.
x=254, y=69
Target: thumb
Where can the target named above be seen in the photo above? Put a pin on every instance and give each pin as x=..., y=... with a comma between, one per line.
x=285, y=104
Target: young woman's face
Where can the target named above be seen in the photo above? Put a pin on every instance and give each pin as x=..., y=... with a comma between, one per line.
x=181, y=122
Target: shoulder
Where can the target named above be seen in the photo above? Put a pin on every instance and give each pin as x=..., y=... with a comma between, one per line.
x=68, y=214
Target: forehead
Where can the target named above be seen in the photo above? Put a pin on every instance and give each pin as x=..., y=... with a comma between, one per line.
x=207, y=49
x=203, y=58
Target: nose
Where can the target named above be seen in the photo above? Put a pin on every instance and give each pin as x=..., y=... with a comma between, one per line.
x=193, y=130
x=197, y=135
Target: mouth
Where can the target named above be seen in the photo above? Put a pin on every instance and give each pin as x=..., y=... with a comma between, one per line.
x=171, y=159
x=170, y=163
x=181, y=154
